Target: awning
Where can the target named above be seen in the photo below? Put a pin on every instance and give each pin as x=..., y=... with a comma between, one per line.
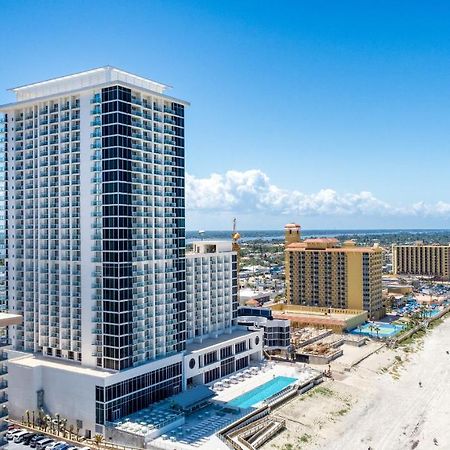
x=194, y=396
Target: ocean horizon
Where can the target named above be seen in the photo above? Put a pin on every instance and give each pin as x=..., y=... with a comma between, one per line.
x=275, y=235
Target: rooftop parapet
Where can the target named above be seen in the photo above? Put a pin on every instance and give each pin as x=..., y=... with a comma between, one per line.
x=82, y=80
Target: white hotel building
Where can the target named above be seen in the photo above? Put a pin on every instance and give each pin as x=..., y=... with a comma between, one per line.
x=216, y=347
x=96, y=247
x=211, y=298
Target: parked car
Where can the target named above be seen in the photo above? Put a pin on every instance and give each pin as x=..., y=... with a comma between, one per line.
x=18, y=437
x=26, y=436
x=43, y=443
x=36, y=439
x=27, y=439
x=10, y=434
x=64, y=446
x=54, y=445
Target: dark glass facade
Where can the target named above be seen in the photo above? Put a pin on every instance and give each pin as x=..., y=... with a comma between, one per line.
x=135, y=393
x=117, y=228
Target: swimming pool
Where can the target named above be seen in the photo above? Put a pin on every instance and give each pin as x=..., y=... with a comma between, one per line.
x=378, y=329
x=266, y=390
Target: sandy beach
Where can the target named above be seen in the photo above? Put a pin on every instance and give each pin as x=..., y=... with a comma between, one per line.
x=378, y=404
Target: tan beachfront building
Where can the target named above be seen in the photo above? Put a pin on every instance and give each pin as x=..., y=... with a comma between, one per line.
x=323, y=273
x=421, y=259
x=337, y=320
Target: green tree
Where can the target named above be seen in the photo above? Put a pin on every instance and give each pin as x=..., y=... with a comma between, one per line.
x=98, y=438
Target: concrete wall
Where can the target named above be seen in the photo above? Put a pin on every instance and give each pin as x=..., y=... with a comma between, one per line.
x=69, y=394
x=69, y=390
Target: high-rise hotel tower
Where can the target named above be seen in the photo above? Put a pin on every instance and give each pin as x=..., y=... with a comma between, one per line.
x=96, y=244
x=95, y=220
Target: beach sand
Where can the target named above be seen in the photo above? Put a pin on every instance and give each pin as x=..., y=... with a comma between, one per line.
x=378, y=404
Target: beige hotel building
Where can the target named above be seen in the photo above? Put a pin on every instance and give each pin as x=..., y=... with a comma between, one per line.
x=421, y=259
x=323, y=273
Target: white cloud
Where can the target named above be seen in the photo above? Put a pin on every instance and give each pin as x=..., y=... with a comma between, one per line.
x=252, y=191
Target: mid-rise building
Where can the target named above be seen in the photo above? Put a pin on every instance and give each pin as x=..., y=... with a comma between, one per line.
x=216, y=346
x=277, y=332
x=95, y=213
x=421, y=259
x=323, y=273
x=211, y=289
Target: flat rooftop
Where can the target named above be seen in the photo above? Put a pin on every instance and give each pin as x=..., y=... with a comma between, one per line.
x=76, y=82
x=211, y=342
x=37, y=360
x=283, y=310
x=330, y=245
x=83, y=79
x=7, y=319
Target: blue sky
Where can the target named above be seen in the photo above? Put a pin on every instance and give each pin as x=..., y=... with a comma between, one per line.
x=333, y=114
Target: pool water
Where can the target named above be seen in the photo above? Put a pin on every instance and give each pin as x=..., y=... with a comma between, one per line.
x=266, y=390
x=384, y=329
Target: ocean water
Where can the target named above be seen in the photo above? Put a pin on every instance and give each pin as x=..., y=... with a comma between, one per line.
x=278, y=235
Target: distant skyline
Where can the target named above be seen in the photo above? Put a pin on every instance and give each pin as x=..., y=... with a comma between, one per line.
x=331, y=114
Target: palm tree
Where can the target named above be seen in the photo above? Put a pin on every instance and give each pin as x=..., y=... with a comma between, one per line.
x=44, y=423
x=377, y=330
x=98, y=438
x=27, y=414
x=57, y=423
x=49, y=423
x=71, y=427
x=41, y=418
x=63, y=426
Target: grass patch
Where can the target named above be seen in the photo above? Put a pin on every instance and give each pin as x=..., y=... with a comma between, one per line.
x=342, y=412
x=324, y=391
x=435, y=323
x=304, y=438
x=287, y=447
x=419, y=334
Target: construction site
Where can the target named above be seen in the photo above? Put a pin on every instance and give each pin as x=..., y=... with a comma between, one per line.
x=321, y=346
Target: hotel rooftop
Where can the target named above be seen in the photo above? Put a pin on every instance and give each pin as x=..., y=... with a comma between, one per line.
x=70, y=84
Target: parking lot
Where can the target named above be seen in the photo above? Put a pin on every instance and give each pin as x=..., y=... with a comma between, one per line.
x=22, y=446
x=12, y=446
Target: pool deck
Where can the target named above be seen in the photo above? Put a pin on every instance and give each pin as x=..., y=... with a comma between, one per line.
x=201, y=427
x=278, y=369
